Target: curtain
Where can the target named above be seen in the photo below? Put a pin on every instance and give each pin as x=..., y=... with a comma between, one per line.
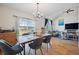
x=51, y=22
x=48, y=25
x=46, y=20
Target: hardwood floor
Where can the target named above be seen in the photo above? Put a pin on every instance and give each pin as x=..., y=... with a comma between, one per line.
x=61, y=47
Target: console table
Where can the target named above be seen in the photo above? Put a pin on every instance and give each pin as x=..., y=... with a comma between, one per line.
x=70, y=36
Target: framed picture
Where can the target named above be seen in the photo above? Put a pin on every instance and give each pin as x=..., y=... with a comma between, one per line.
x=61, y=22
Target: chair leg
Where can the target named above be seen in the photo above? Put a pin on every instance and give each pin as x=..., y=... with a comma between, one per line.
x=50, y=44
x=20, y=53
x=35, y=51
x=47, y=47
x=29, y=51
x=41, y=51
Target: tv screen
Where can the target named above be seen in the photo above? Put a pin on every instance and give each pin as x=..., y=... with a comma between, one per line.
x=71, y=26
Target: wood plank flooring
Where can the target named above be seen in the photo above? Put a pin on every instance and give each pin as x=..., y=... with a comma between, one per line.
x=61, y=47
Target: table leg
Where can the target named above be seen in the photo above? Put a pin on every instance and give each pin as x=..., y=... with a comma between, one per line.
x=23, y=48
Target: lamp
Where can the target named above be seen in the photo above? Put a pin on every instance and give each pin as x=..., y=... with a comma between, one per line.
x=37, y=13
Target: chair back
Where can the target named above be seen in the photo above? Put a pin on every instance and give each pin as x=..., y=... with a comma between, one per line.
x=6, y=48
x=47, y=39
x=38, y=41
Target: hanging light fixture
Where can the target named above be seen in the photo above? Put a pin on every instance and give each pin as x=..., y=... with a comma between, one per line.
x=37, y=13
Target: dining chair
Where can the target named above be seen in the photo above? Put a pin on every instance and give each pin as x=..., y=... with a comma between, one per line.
x=36, y=44
x=46, y=40
x=9, y=49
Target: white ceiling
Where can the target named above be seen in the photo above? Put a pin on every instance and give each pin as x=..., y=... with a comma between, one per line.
x=48, y=9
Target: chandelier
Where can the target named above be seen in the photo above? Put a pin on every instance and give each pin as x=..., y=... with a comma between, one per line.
x=37, y=13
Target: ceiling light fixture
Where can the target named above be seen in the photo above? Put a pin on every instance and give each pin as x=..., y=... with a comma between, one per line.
x=37, y=13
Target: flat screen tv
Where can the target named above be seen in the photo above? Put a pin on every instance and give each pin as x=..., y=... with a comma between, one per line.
x=71, y=26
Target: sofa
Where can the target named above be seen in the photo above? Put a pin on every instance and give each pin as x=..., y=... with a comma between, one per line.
x=58, y=34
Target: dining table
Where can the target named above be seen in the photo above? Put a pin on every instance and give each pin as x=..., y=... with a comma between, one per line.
x=22, y=40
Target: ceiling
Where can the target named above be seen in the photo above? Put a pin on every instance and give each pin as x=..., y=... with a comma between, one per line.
x=48, y=9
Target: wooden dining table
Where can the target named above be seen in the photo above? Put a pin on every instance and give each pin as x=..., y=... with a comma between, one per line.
x=22, y=40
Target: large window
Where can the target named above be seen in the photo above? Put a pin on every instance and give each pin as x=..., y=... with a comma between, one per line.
x=25, y=25
x=48, y=27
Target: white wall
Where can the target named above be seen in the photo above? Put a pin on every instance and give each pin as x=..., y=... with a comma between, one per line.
x=78, y=27
x=68, y=18
x=7, y=21
x=56, y=26
x=39, y=24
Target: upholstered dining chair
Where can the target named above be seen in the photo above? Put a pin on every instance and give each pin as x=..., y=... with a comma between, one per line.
x=46, y=40
x=36, y=44
x=9, y=49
